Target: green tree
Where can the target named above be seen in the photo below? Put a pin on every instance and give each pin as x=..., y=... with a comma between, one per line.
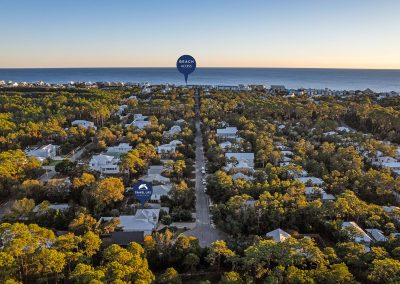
x=218, y=250
x=385, y=271
x=107, y=191
x=170, y=276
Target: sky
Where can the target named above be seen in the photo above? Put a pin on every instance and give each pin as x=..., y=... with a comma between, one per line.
x=218, y=33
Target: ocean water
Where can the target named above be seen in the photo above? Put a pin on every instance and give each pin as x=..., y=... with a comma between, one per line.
x=338, y=79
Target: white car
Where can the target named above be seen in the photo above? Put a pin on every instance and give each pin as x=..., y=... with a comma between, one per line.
x=204, y=182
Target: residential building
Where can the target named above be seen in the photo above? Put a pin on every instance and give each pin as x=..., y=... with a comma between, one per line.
x=139, y=121
x=84, y=123
x=139, y=117
x=121, y=109
x=176, y=129
x=159, y=191
x=312, y=181
x=122, y=148
x=135, y=227
x=240, y=161
x=313, y=193
x=278, y=235
x=155, y=178
x=227, y=133
x=242, y=176
x=104, y=164
x=356, y=233
x=61, y=207
x=226, y=144
x=168, y=148
x=377, y=235
x=42, y=153
x=155, y=170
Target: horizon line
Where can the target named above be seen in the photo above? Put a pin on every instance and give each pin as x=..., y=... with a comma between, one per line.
x=202, y=67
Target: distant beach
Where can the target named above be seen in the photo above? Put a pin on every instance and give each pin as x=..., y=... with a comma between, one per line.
x=336, y=79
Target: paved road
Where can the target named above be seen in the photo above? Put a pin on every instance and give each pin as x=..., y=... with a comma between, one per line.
x=203, y=230
x=78, y=154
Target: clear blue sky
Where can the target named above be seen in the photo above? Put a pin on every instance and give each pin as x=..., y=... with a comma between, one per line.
x=255, y=33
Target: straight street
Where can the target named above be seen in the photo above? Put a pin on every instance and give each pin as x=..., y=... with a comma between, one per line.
x=203, y=230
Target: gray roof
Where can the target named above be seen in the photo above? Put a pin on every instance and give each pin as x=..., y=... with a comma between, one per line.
x=278, y=235
x=240, y=156
x=125, y=238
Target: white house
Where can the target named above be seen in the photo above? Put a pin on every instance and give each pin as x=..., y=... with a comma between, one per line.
x=168, y=148
x=83, y=123
x=283, y=148
x=159, y=191
x=310, y=180
x=242, y=176
x=287, y=153
x=377, y=235
x=330, y=133
x=122, y=148
x=104, y=164
x=225, y=145
x=139, y=121
x=139, y=117
x=121, y=109
x=278, y=235
x=357, y=234
x=317, y=192
x=174, y=130
x=227, y=132
x=387, y=162
x=145, y=220
x=244, y=160
x=45, y=152
x=180, y=122
x=344, y=129
x=390, y=209
x=155, y=178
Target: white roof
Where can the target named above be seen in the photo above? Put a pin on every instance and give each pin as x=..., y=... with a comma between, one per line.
x=362, y=237
x=240, y=156
x=101, y=159
x=390, y=209
x=278, y=235
x=313, y=180
x=241, y=176
x=283, y=148
x=227, y=130
x=343, y=129
x=377, y=235
x=155, y=177
x=143, y=220
x=122, y=147
x=159, y=189
x=61, y=206
x=176, y=142
x=154, y=170
x=82, y=122
x=330, y=133
x=225, y=144
x=287, y=153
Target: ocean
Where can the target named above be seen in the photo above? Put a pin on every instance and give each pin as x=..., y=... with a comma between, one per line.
x=337, y=79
